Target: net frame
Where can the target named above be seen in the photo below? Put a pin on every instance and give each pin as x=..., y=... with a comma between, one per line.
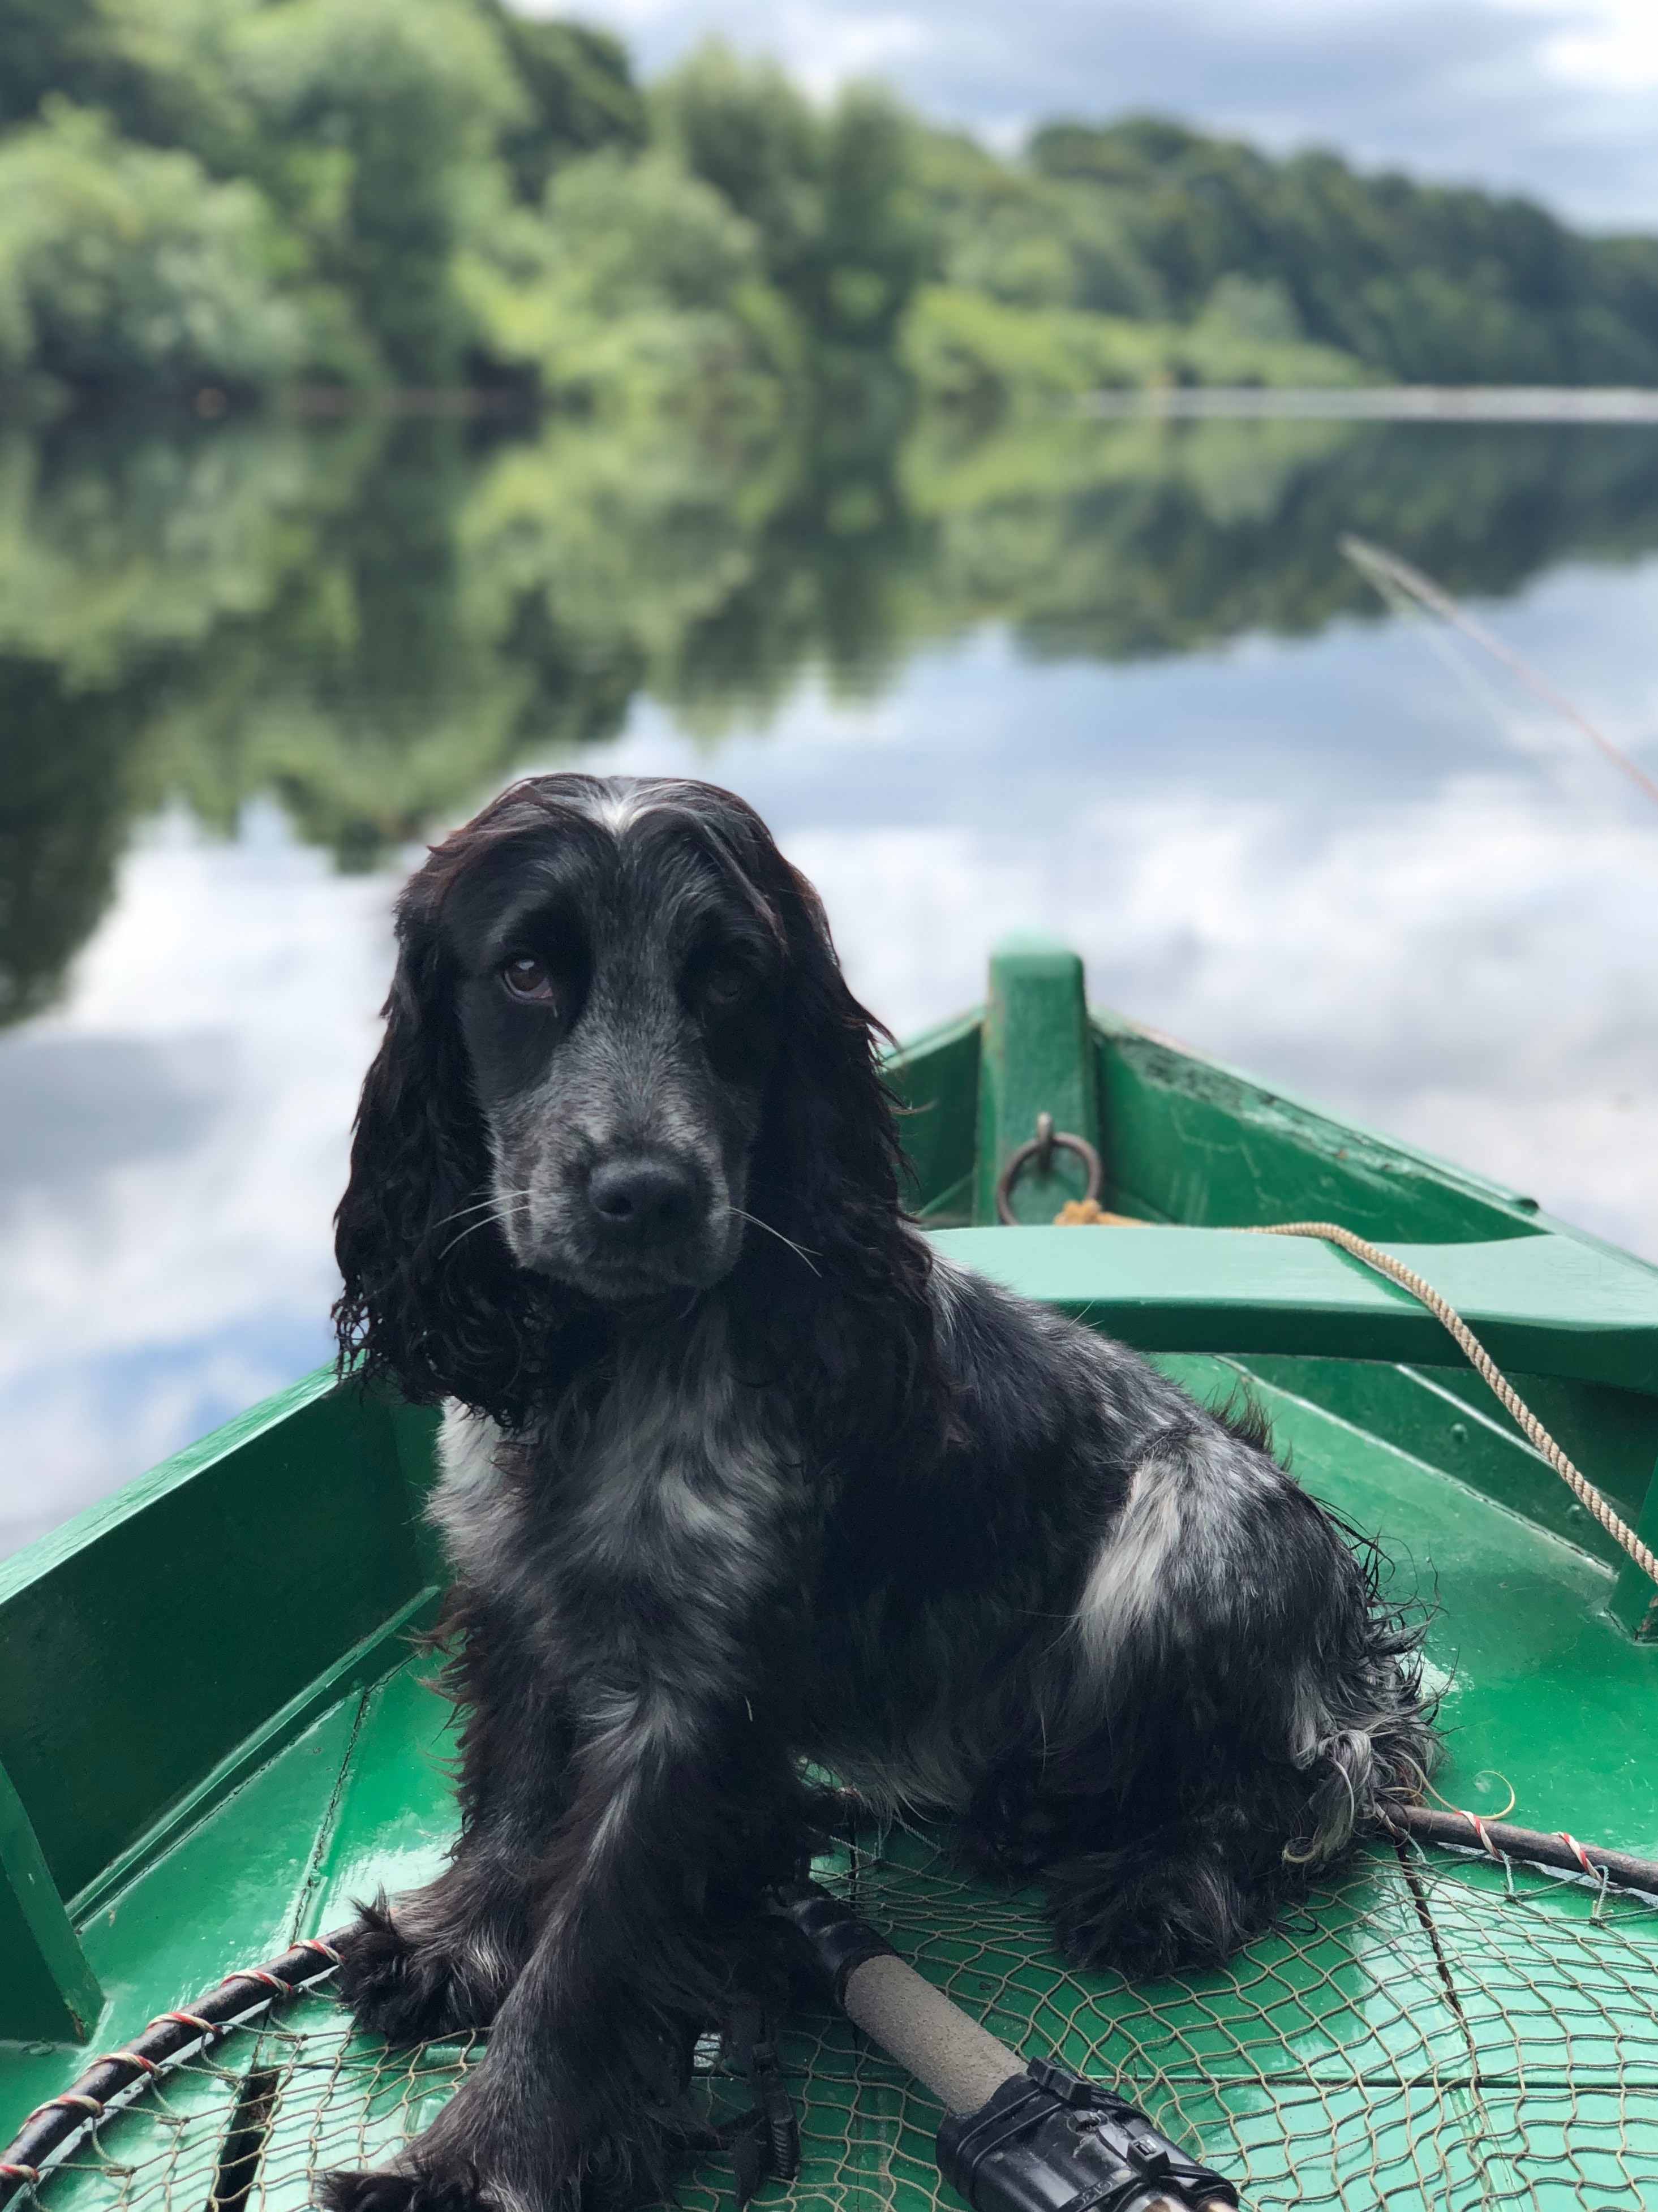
x=1437, y=2027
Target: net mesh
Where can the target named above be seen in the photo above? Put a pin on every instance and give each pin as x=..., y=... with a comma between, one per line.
x=1429, y=2032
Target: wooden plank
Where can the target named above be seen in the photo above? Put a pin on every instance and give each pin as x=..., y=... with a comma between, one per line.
x=1548, y=1305
x=934, y=1079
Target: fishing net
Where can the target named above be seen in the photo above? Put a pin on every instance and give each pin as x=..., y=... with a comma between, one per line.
x=1429, y=2032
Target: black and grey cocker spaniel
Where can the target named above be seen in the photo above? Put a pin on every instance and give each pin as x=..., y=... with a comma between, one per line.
x=739, y=1475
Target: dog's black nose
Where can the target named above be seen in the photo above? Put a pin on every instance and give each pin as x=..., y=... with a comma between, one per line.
x=645, y=1200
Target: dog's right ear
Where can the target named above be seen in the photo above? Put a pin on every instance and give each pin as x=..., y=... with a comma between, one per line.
x=433, y=1302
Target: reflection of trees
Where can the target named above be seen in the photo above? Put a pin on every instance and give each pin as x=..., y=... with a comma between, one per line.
x=376, y=621
x=1117, y=542
x=65, y=803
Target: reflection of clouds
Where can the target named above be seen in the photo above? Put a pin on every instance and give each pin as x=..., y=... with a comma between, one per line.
x=1466, y=973
x=168, y=1283
x=66, y=1099
x=1313, y=859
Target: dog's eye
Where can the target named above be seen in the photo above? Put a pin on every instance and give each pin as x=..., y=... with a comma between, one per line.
x=527, y=978
x=723, y=988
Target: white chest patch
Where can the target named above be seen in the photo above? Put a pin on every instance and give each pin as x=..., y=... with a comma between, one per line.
x=665, y=1524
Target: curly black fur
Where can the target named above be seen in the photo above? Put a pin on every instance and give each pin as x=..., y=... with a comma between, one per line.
x=737, y=1474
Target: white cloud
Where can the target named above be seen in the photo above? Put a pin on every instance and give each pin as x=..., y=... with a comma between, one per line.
x=1607, y=45
x=1555, y=97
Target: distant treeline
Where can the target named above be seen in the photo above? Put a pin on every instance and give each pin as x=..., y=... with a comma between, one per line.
x=238, y=194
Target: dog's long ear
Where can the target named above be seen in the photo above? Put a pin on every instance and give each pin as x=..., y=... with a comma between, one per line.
x=432, y=1302
x=828, y=1162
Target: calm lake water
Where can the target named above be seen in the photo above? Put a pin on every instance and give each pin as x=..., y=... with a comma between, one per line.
x=1115, y=680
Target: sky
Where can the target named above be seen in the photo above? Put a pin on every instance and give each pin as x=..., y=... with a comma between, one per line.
x=1555, y=98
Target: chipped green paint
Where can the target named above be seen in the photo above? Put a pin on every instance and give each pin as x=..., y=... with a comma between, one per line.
x=1196, y=1142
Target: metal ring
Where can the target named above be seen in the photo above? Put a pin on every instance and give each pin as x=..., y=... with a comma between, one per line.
x=1041, y=1148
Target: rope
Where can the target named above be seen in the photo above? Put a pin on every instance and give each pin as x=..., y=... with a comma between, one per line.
x=1486, y=1368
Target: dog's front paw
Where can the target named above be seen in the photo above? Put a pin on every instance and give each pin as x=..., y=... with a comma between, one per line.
x=416, y=2188
x=604, y=2175
x=405, y=1991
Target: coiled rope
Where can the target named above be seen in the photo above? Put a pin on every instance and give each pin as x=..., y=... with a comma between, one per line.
x=1489, y=1372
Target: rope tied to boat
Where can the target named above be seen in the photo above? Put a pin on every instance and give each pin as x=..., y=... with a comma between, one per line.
x=1489, y=1372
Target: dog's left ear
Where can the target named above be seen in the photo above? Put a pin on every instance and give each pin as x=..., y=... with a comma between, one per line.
x=432, y=1302
x=828, y=1165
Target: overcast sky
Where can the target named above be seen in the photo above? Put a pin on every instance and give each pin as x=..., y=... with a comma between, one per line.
x=1557, y=98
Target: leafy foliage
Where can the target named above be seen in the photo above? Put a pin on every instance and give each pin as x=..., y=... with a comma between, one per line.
x=1423, y=283
x=119, y=260
x=426, y=192
x=834, y=195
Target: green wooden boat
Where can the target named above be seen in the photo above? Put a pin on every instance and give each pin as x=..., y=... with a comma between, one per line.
x=214, y=1732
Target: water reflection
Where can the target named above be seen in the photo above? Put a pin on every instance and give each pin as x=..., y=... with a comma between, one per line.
x=973, y=682
x=373, y=621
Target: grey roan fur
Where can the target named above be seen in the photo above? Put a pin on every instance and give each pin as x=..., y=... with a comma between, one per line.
x=738, y=1475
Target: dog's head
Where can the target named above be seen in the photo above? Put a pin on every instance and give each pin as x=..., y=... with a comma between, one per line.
x=617, y=1043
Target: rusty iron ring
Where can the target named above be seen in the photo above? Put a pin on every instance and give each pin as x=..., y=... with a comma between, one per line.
x=1041, y=1148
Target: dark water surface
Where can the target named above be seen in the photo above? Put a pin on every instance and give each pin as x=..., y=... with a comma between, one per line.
x=1113, y=679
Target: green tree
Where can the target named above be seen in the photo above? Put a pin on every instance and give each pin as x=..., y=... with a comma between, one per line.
x=1422, y=283
x=409, y=97
x=636, y=286
x=836, y=197
x=578, y=95
x=122, y=266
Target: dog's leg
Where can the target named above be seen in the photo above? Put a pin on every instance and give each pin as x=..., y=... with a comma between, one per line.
x=1238, y=1703
x=438, y=1961
x=648, y=1922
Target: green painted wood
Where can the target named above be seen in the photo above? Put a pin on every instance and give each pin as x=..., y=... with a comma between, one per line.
x=1533, y=1668
x=1545, y=1305
x=414, y=1435
x=257, y=1576
x=1035, y=1059
x=1634, y=1600
x=47, y=1990
x=1449, y=1418
x=1542, y=1688
x=231, y=1892
x=141, y=1646
x=934, y=1081
x=395, y=1816
x=376, y=1655
x=1193, y=1141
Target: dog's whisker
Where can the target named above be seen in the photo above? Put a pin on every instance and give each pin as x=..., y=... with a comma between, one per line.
x=480, y=1205
x=798, y=1251
x=520, y=1204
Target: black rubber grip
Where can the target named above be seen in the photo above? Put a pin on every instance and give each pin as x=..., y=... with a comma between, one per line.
x=839, y=1941
x=1050, y=2142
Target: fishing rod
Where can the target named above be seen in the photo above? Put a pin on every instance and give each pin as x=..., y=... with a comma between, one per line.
x=1391, y=575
